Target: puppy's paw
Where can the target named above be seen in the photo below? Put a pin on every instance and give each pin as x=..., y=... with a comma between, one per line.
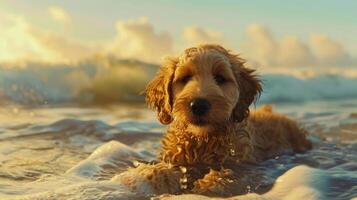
x=215, y=183
x=148, y=179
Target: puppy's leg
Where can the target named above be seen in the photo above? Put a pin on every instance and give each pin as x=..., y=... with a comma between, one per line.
x=215, y=183
x=149, y=179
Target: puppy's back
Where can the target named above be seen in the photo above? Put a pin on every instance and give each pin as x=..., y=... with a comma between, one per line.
x=273, y=133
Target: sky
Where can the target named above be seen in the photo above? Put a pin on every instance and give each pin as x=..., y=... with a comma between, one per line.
x=274, y=34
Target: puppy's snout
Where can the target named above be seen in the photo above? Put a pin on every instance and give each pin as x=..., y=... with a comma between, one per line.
x=199, y=106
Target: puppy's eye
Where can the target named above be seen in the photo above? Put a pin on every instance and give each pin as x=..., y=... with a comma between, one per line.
x=185, y=79
x=220, y=79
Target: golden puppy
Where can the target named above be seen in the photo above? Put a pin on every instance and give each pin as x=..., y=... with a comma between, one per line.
x=204, y=95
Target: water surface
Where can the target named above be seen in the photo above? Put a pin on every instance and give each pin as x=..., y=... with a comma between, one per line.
x=68, y=152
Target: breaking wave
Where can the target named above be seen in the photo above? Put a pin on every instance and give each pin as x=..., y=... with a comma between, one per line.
x=109, y=80
x=96, y=81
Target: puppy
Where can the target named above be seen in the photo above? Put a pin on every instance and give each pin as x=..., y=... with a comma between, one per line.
x=204, y=96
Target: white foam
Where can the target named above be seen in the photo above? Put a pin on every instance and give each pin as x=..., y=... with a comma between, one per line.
x=112, y=155
x=298, y=183
x=90, y=190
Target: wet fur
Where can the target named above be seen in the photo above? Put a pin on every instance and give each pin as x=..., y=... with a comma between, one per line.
x=196, y=152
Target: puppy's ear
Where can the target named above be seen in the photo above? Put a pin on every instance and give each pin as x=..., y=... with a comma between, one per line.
x=249, y=88
x=158, y=92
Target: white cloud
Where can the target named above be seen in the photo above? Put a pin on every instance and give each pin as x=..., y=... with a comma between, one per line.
x=260, y=45
x=59, y=15
x=138, y=39
x=22, y=42
x=63, y=49
x=327, y=50
x=194, y=35
x=263, y=49
x=293, y=52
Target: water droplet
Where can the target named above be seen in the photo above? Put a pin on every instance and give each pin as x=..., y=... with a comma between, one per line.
x=280, y=166
x=232, y=152
x=183, y=169
x=183, y=182
x=183, y=179
x=136, y=163
x=248, y=189
x=184, y=186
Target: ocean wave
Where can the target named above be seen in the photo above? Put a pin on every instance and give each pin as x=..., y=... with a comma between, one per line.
x=94, y=82
x=285, y=88
x=103, y=81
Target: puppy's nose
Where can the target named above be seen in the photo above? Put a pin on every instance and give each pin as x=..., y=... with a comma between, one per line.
x=200, y=106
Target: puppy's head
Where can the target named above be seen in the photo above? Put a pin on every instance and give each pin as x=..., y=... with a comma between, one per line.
x=206, y=86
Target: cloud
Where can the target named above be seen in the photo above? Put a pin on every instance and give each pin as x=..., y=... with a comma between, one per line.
x=138, y=39
x=23, y=42
x=194, y=35
x=17, y=43
x=263, y=49
x=59, y=15
x=293, y=52
x=260, y=45
x=61, y=48
x=327, y=50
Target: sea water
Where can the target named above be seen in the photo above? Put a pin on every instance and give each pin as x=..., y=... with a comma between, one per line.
x=59, y=139
x=72, y=152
